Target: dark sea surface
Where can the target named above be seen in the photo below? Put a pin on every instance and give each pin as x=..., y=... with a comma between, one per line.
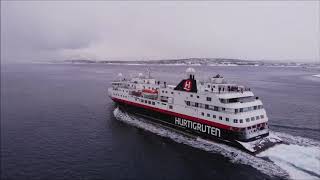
x=57, y=123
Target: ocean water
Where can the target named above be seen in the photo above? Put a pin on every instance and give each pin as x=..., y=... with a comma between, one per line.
x=57, y=122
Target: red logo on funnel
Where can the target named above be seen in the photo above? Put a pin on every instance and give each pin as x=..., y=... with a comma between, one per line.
x=187, y=85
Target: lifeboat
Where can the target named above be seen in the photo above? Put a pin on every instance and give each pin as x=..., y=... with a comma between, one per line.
x=150, y=93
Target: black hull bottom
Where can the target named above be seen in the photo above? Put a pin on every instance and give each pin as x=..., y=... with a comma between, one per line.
x=203, y=131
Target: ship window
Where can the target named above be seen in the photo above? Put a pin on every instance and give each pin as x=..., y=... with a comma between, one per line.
x=196, y=104
x=235, y=120
x=191, y=95
x=227, y=119
x=208, y=98
x=241, y=120
x=257, y=117
x=261, y=116
x=254, y=107
x=249, y=127
x=162, y=91
x=208, y=115
x=149, y=102
x=166, y=91
x=220, y=117
x=188, y=103
x=153, y=103
x=248, y=119
x=208, y=85
x=252, y=118
x=170, y=107
x=145, y=101
x=202, y=113
x=213, y=116
x=198, y=97
x=171, y=92
x=223, y=109
x=206, y=106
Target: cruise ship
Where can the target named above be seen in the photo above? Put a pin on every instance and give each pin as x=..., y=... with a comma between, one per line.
x=212, y=109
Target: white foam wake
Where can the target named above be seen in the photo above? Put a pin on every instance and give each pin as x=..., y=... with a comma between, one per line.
x=233, y=154
x=300, y=156
x=301, y=162
x=290, y=139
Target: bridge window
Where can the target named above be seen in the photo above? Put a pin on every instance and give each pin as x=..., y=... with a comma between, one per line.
x=153, y=103
x=241, y=120
x=208, y=115
x=247, y=119
x=213, y=116
x=257, y=117
x=227, y=119
x=202, y=113
x=170, y=107
x=261, y=116
x=252, y=118
x=235, y=120
x=220, y=117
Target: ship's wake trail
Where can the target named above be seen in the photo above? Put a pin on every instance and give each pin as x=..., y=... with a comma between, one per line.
x=298, y=159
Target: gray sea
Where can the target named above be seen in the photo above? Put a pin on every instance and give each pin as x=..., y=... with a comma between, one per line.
x=57, y=122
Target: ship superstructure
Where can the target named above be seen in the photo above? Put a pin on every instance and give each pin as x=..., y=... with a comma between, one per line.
x=213, y=108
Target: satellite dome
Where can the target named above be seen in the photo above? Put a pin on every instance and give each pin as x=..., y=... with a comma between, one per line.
x=190, y=70
x=120, y=74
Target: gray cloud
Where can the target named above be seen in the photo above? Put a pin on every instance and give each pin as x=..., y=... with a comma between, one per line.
x=35, y=30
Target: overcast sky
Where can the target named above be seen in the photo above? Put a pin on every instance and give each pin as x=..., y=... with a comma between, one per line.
x=268, y=30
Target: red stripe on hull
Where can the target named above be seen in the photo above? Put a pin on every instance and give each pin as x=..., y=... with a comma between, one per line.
x=203, y=121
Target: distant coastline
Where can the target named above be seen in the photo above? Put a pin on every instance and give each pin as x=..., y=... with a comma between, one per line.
x=193, y=62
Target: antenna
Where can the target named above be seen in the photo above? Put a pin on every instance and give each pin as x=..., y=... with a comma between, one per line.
x=148, y=72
